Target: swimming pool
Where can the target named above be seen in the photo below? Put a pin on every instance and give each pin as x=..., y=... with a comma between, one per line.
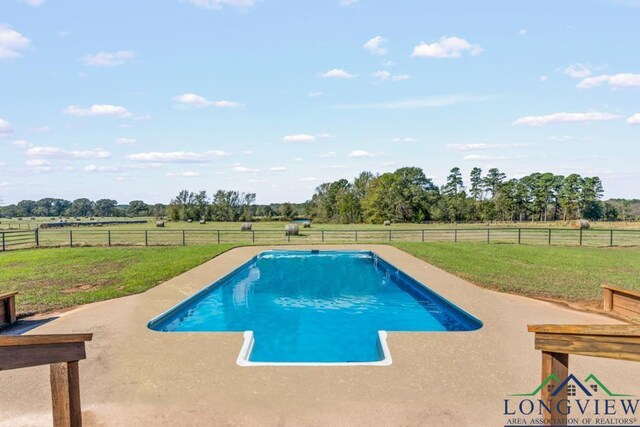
x=315, y=307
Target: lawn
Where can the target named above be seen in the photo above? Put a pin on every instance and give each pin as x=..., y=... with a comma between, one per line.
x=565, y=273
x=49, y=279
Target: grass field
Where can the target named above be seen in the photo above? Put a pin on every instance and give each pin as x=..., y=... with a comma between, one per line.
x=564, y=273
x=49, y=279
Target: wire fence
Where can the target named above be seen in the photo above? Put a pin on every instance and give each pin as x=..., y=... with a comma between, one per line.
x=532, y=236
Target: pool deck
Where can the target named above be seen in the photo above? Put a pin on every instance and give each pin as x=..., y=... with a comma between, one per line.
x=135, y=376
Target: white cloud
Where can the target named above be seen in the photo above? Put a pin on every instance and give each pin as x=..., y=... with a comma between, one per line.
x=197, y=101
x=109, y=59
x=188, y=174
x=565, y=118
x=33, y=3
x=226, y=104
x=482, y=157
x=616, y=81
x=21, y=143
x=177, y=156
x=338, y=73
x=310, y=179
x=315, y=94
x=362, y=153
x=388, y=63
x=243, y=169
x=37, y=162
x=96, y=110
x=348, y=2
x=297, y=159
x=278, y=169
x=299, y=138
x=97, y=153
x=219, y=4
x=562, y=138
x=329, y=155
x=446, y=47
x=544, y=78
x=522, y=32
x=405, y=139
x=375, y=46
x=409, y=104
x=385, y=75
x=42, y=129
x=634, y=120
x=482, y=146
x=126, y=141
x=11, y=42
x=578, y=71
x=101, y=169
x=5, y=128
x=4, y=184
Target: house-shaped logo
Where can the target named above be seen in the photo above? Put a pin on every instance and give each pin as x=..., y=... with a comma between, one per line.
x=590, y=387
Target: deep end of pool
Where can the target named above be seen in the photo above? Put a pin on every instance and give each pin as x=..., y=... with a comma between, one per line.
x=315, y=308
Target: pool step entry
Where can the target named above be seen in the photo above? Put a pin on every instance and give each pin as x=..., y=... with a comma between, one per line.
x=244, y=358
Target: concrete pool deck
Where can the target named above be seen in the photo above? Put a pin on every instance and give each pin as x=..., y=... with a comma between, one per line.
x=135, y=376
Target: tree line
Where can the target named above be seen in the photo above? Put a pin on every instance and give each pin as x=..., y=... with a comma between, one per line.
x=405, y=195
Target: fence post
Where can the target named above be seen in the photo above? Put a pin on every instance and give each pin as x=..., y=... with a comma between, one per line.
x=322, y=235
x=253, y=236
x=184, y=238
x=581, y=237
x=389, y=235
x=611, y=238
x=455, y=236
x=4, y=246
x=146, y=238
x=109, y=238
x=423, y=236
x=488, y=234
x=218, y=236
x=519, y=235
x=288, y=237
x=549, y=236
x=70, y=238
x=37, y=238
x=356, y=235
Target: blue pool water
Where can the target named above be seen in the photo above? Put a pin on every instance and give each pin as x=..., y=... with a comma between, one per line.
x=310, y=306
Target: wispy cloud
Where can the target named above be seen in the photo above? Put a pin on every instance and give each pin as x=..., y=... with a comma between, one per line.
x=11, y=43
x=58, y=152
x=634, y=120
x=196, y=101
x=302, y=137
x=385, y=75
x=188, y=174
x=109, y=59
x=483, y=146
x=101, y=169
x=376, y=46
x=126, y=141
x=578, y=71
x=616, y=81
x=219, y=4
x=178, y=156
x=33, y=3
x=5, y=128
x=363, y=153
x=446, y=47
x=96, y=110
x=338, y=73
x=428, y=102
x=405, y=139
x=566, y=118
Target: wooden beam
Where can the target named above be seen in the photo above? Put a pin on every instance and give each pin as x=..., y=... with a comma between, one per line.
x=75, y=410
x=612, y=347
x=621, y=290
x=612, y=330
x=60, y=395
x=608, y=298
x=14, y=357
x=28, y=340
x=557, y=364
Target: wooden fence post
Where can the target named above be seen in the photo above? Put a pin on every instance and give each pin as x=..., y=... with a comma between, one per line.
x=558, y=364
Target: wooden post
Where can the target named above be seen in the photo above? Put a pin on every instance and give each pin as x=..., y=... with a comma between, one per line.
x=37, y=238
x=519, y=235
x=611, y=238
x=3, y=243
x=422, y=236
x=581, y=237
x=109, y=238
x=549, y=236
x=455, y=236
x=146, y=238
x=65, y=394
x=218, y=236
x=488, y=234
x=608, y=299
x=184, y=238
x=558, y=364
x=70, y=238
x=389, y=235
x=322, y=235
x=253, y=236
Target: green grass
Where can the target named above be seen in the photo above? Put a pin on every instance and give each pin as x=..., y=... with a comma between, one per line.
x=565, y=273
x=49, y=279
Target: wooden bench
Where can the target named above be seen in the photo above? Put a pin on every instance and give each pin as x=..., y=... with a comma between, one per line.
x=558, y=341
x=62, y=353
x=8, y=308
x=621, y=301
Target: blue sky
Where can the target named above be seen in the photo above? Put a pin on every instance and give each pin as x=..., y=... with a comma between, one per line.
x=137, y=100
